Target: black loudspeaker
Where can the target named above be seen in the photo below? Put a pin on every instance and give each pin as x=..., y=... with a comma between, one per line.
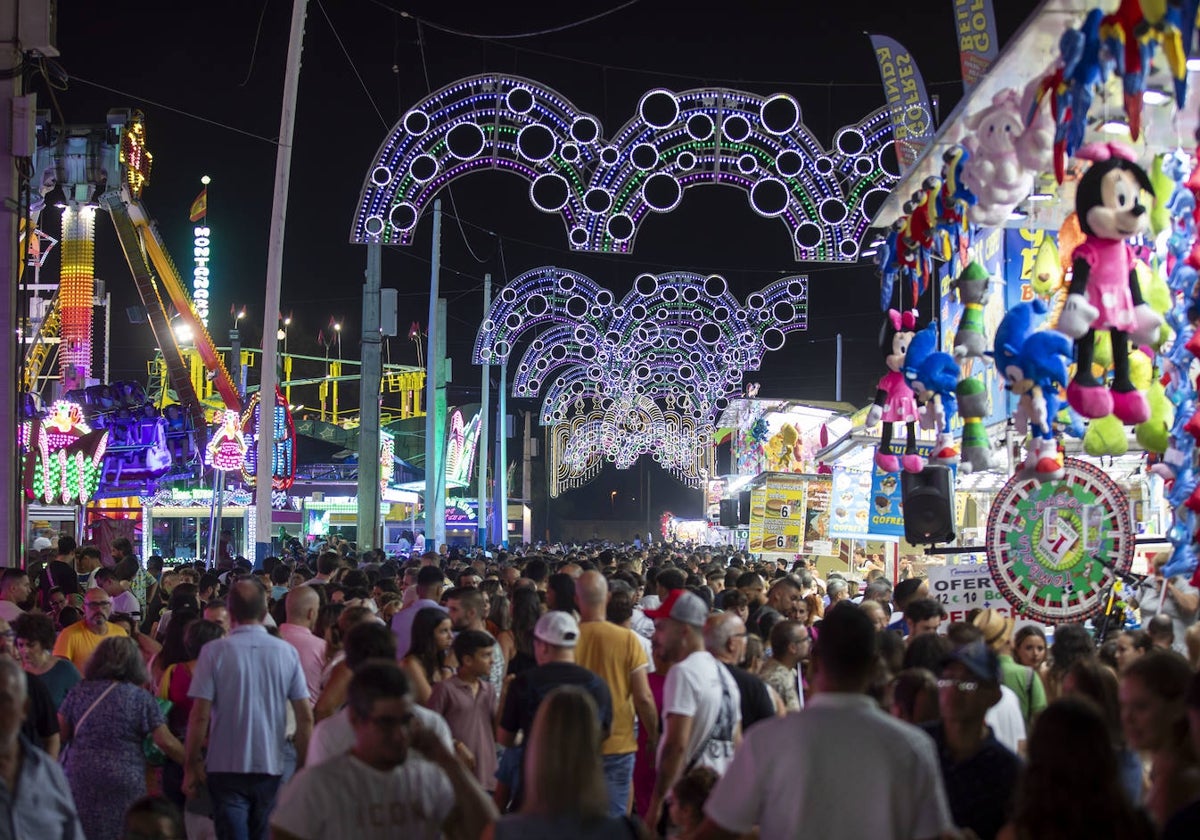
x=744, y=508
x=928, y=506
x=729, y=513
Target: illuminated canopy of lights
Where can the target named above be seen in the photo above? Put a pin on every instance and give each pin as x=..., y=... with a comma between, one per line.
x=642, y=375
x=603, y=188
x=593, y=436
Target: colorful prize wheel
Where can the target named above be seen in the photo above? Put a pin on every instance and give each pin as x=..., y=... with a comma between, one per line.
x=1053, y=547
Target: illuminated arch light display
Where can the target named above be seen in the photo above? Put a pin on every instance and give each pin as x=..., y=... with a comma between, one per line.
x=283, y=466
x=64, y=456
x=679, y=339
x=581, y=445
x=604, y=188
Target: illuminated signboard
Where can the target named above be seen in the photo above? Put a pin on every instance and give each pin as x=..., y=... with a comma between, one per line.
x=201, y=252
x=227, y=447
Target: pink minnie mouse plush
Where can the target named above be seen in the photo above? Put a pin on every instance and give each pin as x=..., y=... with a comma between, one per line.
x=894, y=401
x=1104, y=292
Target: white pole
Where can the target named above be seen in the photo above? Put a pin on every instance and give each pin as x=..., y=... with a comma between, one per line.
x=283, y=165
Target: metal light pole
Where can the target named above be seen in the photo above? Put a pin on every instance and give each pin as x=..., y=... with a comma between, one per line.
x=283, y=165
x=368, y=404
x=481, y=517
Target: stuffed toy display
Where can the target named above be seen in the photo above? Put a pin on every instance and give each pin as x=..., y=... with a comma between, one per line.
x=894, y=401
x=1105, y=293
x=1004, y=154
x=973, y=286
x=1034, y=366
x=933, y=376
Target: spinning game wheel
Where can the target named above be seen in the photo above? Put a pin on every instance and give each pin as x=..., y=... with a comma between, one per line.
x=1053, y=547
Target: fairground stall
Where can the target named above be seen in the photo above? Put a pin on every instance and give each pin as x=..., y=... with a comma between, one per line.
x=1036, y=408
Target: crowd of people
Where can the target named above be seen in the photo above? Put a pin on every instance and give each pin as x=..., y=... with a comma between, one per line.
x=574, y=691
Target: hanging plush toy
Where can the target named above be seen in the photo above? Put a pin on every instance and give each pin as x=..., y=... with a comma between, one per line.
x=894, y=401
x=933, y=376
x=1034, y=366
x=972, y=286
x=1104, y=292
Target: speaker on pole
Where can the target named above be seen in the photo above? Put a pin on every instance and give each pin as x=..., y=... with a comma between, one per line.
x=928, y=503
x=744, y=507
x=729, y=513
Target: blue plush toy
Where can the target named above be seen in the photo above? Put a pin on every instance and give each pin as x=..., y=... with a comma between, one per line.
x=1034, y=366
x=933, y=377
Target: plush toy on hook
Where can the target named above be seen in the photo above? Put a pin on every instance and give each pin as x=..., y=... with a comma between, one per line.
x=1034, y=363
x=894, y=401
x=1104, y=292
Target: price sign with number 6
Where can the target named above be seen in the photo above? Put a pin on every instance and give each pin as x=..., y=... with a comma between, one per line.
x=785, y=511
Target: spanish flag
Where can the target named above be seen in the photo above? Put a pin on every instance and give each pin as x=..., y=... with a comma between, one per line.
x=199, y=206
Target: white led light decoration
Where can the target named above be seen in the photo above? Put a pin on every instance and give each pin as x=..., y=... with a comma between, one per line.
x=645, y=374
x=603, y=187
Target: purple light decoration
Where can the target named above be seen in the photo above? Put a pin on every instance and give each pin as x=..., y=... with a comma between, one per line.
x=727, y=136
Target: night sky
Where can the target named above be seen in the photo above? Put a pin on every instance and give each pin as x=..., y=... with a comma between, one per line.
x=209, y=79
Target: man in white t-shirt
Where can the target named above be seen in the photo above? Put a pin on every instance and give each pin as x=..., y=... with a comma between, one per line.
x=334, y=735
x=789, y=771
x=399, y=780
x=701, y=711
x=14, y=590
x=123, y=600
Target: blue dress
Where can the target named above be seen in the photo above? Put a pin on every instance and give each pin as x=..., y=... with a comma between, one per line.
x=104, y=764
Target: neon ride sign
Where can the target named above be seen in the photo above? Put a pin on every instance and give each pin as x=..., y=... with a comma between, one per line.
x=201, y=253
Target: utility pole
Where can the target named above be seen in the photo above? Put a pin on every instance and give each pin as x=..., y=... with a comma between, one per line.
x=435, y=386
x=837, y=381
x=500, y=529
x=16, y=116
x=368, y=404
x=283, y=167
x=526, y=480
x=481, y=516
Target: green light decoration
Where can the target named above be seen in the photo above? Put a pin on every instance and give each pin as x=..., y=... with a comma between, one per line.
x=63, y=460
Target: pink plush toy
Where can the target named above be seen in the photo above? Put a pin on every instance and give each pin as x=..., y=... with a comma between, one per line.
x=1004, y=155
x=895, y=401
x=1104, y=292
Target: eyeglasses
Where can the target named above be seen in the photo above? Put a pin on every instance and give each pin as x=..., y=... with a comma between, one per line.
x=390, y=721
x=97, y=603
x=964, y=686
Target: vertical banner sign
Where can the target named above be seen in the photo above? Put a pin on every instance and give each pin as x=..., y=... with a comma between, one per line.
x=977, y=47
x=912, y=118
x=850, y=499
x=886, y=512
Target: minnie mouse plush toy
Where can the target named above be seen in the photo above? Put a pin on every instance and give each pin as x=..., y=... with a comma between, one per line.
x=1104, y=292
x=894, y=401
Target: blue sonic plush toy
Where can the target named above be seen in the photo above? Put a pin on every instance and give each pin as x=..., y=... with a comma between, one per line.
x=933, y=377
x=1034, y=365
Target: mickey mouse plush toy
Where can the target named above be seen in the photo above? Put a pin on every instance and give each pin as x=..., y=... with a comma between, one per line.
x=1104, y=292
x=895, y=401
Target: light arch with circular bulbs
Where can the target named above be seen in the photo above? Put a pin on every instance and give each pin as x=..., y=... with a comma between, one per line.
x=604, y=188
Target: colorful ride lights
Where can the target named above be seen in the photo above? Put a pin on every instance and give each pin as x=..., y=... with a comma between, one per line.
x=64, y=457
x=604, y=188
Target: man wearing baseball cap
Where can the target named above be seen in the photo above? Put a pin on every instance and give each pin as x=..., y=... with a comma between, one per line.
x=997, y=630
x=980, y=774
x=702, y=719
x=554, y=638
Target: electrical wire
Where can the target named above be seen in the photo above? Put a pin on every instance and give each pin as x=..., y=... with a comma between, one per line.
x=254, y=50
x=515, y=37
x=174, y=110
x=654, y=72
x=350, y=61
